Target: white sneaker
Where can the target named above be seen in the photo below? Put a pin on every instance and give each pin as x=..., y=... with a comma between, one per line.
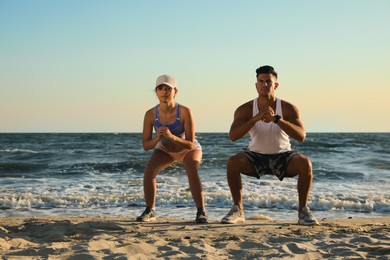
x=235, y=215
x=306, y=218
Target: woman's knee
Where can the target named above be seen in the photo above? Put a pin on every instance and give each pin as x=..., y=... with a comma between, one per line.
x=192, y=167
x=149, y=176
x=193, y=157
x=151, y=169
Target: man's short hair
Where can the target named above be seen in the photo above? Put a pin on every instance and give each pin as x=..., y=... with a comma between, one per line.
x=266, y=70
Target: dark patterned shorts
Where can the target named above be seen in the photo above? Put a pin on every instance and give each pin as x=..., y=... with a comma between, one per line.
x=269, y=164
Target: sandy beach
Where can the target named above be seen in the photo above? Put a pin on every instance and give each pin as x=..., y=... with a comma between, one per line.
x=122, y=238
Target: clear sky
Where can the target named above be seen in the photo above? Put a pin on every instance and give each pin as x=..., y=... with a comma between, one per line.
x=91, y=66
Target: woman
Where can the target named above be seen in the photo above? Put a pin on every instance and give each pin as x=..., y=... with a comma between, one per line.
x=174, y=141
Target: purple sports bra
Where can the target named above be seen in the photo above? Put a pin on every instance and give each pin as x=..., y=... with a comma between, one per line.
x=176, y=128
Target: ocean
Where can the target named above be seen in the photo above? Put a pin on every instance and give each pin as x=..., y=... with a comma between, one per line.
x=82, y=174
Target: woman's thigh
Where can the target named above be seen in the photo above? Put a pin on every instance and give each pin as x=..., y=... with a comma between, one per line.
x=159, y=160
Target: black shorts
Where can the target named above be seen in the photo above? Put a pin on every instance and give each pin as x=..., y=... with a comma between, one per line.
x=269, y=164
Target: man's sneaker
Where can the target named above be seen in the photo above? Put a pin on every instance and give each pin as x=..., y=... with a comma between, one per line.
x=306, y=218
x=235, y=215
x=201, y=216
x=147, y=215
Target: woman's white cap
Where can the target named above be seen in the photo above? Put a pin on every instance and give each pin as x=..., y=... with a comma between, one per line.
x=166, y=80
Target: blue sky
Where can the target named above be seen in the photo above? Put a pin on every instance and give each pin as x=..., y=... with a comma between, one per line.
x=90, y=66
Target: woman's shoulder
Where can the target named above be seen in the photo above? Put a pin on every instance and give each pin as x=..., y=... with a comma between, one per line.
x=185, y=111
x=150, y=112
x=183, y=107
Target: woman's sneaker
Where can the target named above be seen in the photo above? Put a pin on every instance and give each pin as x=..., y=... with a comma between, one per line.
x=306, y=218
x=201, y=216
x=147, y=215
x=235, y=215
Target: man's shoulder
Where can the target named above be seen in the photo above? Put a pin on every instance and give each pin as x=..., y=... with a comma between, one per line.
x=287, y=104
x=289, y=110
x=245, y=110
x=246, y=105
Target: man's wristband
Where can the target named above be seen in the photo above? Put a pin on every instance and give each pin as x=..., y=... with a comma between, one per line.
x=277, y=118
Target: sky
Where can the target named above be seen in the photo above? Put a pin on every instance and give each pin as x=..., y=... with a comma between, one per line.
x=91, y=66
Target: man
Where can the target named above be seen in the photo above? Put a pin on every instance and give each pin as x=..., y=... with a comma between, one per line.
x=271, y=122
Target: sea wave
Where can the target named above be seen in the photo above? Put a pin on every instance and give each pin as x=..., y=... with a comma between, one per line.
x=182, y=198
x=8, y=169
x=17, y=151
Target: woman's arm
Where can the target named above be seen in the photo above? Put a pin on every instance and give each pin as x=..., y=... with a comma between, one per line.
x=148, y=142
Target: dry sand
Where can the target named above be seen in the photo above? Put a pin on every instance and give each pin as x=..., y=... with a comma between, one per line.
x=123, y=238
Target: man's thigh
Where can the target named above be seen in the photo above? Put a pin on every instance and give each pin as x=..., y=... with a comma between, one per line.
x=243, y=164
